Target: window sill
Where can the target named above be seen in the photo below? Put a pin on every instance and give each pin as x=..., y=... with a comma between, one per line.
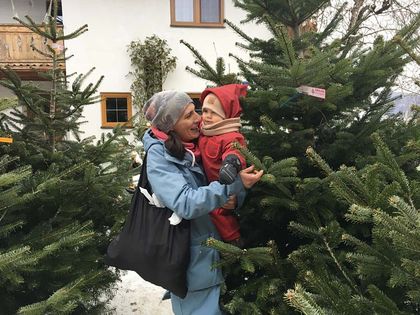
x=198, y=25
x=112, y=127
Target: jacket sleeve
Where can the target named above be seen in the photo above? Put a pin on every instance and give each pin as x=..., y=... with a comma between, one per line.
x=227, y=150
x=171, y=187
x=227, y=147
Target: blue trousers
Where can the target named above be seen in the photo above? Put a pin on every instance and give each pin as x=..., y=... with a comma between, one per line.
x=201, y=302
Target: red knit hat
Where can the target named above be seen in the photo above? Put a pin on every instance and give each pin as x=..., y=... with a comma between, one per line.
x=228, y=96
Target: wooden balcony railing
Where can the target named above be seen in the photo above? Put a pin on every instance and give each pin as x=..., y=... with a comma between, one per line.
x=16, y=51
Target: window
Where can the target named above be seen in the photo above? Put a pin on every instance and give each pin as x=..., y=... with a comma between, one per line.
x=196, y=99
x=208, y=13
x=116, y=109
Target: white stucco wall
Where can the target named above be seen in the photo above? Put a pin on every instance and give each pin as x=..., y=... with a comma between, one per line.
x=113, y=24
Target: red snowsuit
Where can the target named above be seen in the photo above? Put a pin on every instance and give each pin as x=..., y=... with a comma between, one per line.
x=214, y=150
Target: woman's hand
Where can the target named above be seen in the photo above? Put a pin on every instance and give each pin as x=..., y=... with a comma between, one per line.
x=249, y=176
x=231, y=203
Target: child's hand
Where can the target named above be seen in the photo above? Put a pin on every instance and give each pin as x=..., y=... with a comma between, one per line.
x=230, y=167
x=249, y=176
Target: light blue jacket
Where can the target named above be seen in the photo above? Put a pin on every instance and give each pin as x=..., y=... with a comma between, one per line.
x=182, y=188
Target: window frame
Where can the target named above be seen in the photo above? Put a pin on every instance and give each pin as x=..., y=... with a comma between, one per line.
x=109, y=124
x=197, y=16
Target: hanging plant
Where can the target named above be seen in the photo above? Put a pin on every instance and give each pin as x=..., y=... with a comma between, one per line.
x=151, y=61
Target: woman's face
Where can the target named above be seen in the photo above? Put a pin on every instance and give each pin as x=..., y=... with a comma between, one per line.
x=187, y=125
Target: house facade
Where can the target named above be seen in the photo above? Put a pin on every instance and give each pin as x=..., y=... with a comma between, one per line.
x=113, y=24
x=16, y=40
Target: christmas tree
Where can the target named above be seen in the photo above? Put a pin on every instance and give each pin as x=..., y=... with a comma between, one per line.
x=64, y=199
x=375, y=275
x=285, y=112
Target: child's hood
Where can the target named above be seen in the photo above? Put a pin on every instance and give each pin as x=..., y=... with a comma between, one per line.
x=228, y=96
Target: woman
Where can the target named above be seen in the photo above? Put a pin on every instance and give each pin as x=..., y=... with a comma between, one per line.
x=179, y=183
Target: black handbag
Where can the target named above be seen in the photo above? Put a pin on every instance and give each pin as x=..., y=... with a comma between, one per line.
x=149, y=245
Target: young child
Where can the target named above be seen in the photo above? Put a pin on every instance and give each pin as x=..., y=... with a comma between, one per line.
x=220, y=128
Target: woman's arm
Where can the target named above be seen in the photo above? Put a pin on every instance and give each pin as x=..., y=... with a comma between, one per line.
x=176, y=193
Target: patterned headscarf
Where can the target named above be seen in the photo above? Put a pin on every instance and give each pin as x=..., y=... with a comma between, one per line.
x=164, y=109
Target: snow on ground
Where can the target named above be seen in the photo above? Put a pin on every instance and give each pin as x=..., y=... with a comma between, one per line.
x=138, y=297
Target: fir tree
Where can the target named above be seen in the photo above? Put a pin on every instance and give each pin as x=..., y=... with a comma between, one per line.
x=281, y=122
x=206, y=72
x=76, y=189
x=375, y=275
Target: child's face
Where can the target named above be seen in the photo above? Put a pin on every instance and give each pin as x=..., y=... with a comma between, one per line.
x=209, y=117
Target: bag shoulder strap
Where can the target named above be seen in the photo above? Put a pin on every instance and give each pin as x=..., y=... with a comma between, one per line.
x=144, y=187
x=143, y=179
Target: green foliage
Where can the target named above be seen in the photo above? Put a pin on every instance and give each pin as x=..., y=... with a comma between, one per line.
x=206, y=72
x=287, y=13
x=322, y=219
x=60, y=199
x=379, y=270
x=7, y=102
x=304, y=301
x=151, y=61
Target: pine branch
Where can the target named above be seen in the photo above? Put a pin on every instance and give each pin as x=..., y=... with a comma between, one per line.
x=303, y=301
x=13, y=258
x=318, y=161
x=16, y=87
x=239, y=31
x=359, y=214
x=389, y=160
x=5, y=230
x=50, y=31
x=340, y=268
x=247, y=258
x=396, y=226
x=274, y=251
x=349, y=177
x=244, y=46
x=410, y=213
x=383, y=302
x=249, y=156
x=14, y=176
x=374, y=120
x=199, y=59
x=408, y=31
x=270, y=125
x=274, y=202
x=62, y=300
x=398, y=40
x=6, y=103
x=305, y=230
x=340, y=181
x=338, y=16
x=284, y=41
x=365, y=249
